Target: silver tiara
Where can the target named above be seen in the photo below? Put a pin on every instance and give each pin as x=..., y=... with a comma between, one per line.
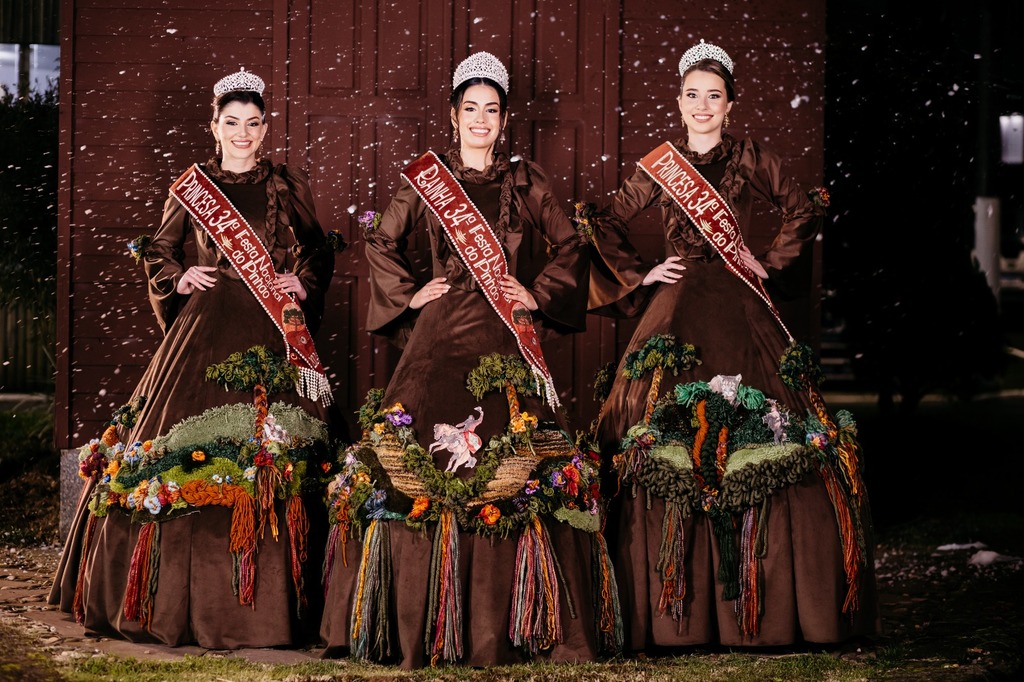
x=243, y=80
x=701, y=51
x=481, y=65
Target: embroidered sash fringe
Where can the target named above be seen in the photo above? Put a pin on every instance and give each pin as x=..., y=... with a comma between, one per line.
x=443, y=638
x=143, y=572
x=370, y=626
x=535, y=622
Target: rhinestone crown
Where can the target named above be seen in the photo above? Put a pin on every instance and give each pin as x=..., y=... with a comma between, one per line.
x=481, y=65
x=243, y=80
x=701, y=51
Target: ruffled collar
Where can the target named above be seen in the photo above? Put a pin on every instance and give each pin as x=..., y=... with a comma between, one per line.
x=499, y=165
x=249, y=177
x=720, y=151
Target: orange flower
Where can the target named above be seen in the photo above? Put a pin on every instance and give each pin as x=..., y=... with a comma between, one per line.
x=147, y=446
x=326, y=466
x=419, y=506
x=490, y=514
x=110, y=438
x=198, y=456
x=113, y=467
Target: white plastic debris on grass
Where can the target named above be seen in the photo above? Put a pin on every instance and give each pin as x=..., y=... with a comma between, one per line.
x=987, y=557
x=953, y=547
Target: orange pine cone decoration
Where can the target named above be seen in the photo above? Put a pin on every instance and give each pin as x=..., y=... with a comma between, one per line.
x=259, y=399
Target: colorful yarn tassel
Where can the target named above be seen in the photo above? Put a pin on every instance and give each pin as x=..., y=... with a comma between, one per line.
x=671, y=558
x=77, y=604
x=749, y=606
x=610, y=635
x=143, y=572
x=370, y=627
x=298, y=532
x=535, y=623
x=268, y=480
x=333, y=538
x=852, y=556
x=243, y=549
x=443, y=638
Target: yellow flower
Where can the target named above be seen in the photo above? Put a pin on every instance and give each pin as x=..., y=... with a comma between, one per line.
x=378, y=427
x=113, y=467
x=397, y=407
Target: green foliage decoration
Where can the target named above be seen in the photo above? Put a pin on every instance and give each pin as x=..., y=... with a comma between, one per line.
x=661, y=350
x=798, y=367
x=244, y=370
x=495, y=370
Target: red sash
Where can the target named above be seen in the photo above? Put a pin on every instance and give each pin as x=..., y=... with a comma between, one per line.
x=249, y=257
x=478, y=247
x=706, y=208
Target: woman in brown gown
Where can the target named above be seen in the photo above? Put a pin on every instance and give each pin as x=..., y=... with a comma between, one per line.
x=464, y=524
x=741, y=518
x=201, y=520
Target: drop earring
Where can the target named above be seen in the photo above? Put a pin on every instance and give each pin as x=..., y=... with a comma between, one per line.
x=725, y=121
x=218, y=147
x=502, y=138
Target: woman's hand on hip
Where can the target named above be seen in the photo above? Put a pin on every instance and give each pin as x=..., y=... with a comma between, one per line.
x=748, y=259
x=669, y=271
x=431, y=291
x=196, y=277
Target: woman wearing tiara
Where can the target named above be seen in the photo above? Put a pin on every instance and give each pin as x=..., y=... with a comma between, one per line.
x=741, y=517
x=203, y=498
x=465, y=519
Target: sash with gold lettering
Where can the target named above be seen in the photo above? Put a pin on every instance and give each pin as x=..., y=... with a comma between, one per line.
x=478, y=247
x=703, y=205
x=249, y=257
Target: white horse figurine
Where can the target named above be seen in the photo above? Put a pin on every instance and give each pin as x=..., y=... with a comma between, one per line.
x=460, y=440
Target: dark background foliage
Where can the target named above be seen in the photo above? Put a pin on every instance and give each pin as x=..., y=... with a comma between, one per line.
x=911, y=142
x=28, y=199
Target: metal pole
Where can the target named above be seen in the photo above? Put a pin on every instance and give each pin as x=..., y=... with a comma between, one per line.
x=986, y=206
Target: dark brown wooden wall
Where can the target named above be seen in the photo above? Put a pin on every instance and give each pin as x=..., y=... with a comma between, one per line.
x=356, y=90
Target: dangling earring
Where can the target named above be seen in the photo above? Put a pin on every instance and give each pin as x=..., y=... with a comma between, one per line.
x=218, y=147
x=725, y=121
x=455, y=134
x=502, y=138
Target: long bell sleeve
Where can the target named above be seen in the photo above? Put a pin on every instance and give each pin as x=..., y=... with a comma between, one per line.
x=164, y=263
x=618, y=270
x=801, y=219
x=314, y=264
x=561, y=287
x=392, y=282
